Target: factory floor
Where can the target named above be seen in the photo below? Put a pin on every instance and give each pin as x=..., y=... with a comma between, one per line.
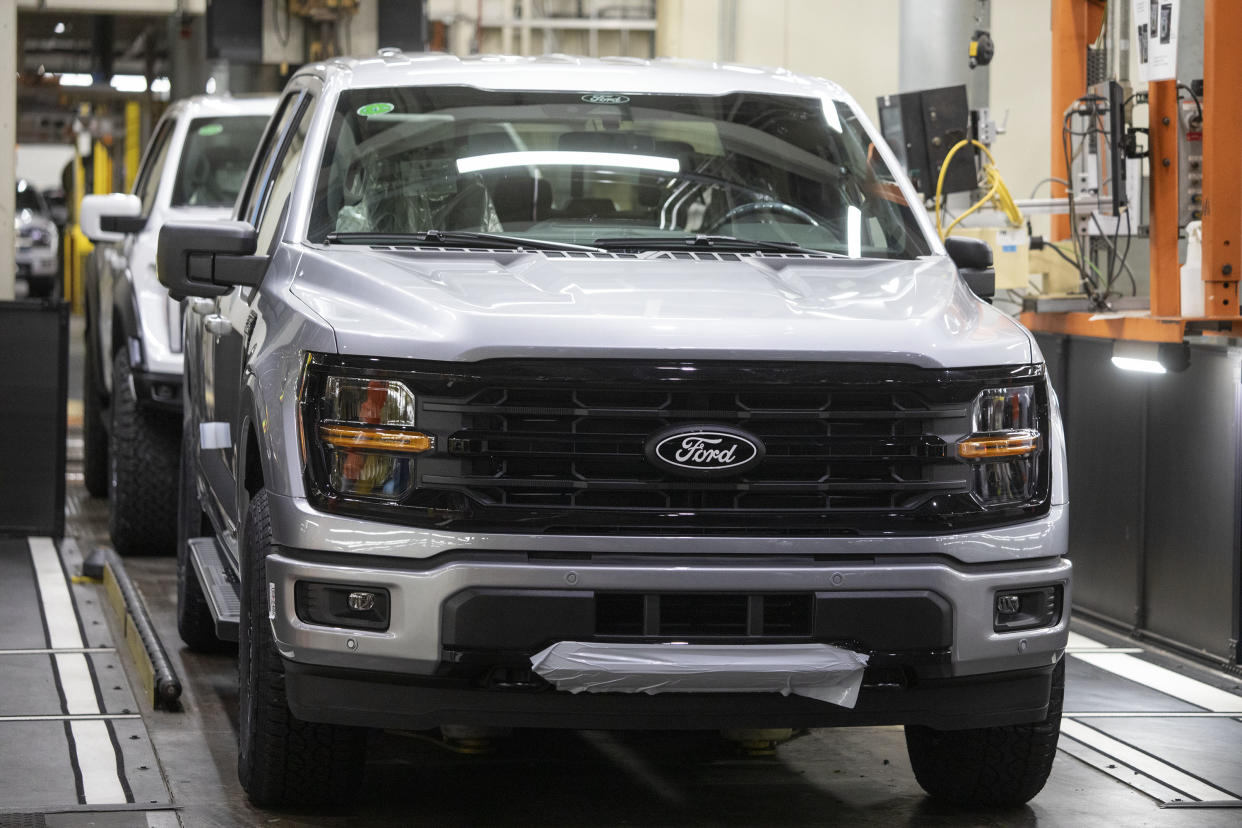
x=1148, y=739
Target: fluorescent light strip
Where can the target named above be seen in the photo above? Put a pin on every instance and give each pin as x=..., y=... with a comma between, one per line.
x=560, y=158
x=90, y=743
x=1147, y=366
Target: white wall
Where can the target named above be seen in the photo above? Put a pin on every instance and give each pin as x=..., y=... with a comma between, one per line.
x=42, y=163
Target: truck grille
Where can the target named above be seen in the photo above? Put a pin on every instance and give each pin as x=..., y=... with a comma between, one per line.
x=557, y=447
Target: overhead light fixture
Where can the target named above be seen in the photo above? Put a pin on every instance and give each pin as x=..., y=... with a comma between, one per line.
x=1151, y=357
x=59, y=28
x=566, y=158
x=76, y=79
x=128, y=83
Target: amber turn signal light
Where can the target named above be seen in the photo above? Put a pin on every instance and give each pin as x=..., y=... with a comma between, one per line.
x=988, y=447
x=375, y=439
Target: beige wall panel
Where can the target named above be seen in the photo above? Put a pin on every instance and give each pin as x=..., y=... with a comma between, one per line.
x=1022, y=84
x=762, y=32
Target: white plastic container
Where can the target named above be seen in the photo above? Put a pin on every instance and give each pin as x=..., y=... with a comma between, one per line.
x=1192, y=271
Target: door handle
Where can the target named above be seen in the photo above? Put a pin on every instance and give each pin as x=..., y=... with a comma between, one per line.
x=217, y=324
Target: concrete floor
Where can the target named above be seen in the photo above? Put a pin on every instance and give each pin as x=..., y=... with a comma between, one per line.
x=1148, y=728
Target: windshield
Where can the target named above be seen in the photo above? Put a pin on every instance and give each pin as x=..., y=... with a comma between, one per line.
x=578, y=167
x=215, y=159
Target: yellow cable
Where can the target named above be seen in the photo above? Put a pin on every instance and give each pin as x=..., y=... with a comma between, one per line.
x=997, y=191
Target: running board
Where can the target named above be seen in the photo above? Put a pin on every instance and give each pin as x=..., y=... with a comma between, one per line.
x=219, y=589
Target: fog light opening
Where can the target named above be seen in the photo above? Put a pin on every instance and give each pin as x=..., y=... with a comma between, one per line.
x=342, y=605
x=1026, y=609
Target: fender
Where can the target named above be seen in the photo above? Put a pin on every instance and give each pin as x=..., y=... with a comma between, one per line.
x=125, y=317
x=242, y=459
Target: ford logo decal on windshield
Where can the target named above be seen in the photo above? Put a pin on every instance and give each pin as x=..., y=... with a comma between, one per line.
x=602, y=98
x=704, y=450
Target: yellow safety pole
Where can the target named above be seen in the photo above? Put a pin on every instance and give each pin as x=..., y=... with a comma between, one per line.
x=133, y=142
x=77, y=245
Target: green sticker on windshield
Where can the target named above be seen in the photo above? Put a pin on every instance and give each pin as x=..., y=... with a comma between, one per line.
x=370, y=109
x=210, y=129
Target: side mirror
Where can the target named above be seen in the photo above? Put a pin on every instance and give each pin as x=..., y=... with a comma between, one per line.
x=208, y=258
x=973, y=258
x=109, y=218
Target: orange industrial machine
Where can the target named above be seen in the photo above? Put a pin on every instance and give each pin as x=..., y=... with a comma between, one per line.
x=1075, y=24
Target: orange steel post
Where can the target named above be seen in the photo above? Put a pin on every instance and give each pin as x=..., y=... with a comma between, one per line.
x=1075, y=23
x=1166, y=299
x=1222, y=160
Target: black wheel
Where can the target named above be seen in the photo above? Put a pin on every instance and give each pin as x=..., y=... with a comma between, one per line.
x=94, y=434
x=282, y=760
x=194, y=620
x=143, y=456
x=991, y=766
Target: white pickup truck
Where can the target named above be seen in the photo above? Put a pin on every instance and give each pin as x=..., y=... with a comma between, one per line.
x=579, y=393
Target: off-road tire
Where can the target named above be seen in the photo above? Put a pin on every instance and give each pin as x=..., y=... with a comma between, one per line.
x=996, y=767
x=143, y=456
x=282, y=760
x=195, y=623
x=94, y=433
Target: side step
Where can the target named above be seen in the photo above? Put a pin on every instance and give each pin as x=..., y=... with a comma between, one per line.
x=218, y=587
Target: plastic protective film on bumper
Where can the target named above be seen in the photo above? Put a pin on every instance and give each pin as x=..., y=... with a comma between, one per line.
x=819, y=671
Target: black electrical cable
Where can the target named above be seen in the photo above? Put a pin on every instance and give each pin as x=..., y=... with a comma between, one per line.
x=1194, y=98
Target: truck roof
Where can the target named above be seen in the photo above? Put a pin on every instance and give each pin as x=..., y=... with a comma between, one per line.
x=392, y=67
x=223, y=105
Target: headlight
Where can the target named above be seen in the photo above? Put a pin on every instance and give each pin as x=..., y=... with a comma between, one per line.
x=1006, y=447
x=366, y=431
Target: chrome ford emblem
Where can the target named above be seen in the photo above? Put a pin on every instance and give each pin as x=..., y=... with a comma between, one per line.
x=601, y=98
x=704, y=451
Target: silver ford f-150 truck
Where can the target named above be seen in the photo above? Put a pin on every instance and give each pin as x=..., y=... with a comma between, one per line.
x=609, y=394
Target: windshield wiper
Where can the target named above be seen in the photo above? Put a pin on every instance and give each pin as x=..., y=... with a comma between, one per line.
x=454, y=238
x=727, y=244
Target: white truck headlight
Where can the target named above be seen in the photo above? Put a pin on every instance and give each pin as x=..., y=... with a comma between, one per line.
x=367, y=431
x=1006, y=447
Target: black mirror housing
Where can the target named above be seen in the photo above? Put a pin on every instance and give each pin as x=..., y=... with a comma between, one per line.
x=123, y=224
x=208, y=258
x=973, y=258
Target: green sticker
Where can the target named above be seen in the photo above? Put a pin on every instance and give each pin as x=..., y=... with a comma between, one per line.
x=370, y=109
x=210, y=129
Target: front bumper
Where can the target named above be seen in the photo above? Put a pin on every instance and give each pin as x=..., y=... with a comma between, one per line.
x=463, y=622
x=396, y=701
x=415, y=641
x=36, y=263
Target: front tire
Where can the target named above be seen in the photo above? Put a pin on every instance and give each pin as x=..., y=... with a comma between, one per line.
x=282, y=760
x=195, y=623
x=143, y=457
x=999, y=767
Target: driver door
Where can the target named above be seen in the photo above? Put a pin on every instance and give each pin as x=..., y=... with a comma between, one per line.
x=223, y=324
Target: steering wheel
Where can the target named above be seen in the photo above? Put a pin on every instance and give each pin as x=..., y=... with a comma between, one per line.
x=762, y=207
x=445, y=211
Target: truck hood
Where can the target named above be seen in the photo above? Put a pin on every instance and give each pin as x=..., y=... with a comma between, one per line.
x=464, y=306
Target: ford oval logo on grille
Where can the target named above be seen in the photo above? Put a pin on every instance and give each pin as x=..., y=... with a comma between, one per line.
x=704, y=451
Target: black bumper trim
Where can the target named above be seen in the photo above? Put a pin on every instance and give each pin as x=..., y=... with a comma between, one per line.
x=416, y=703
x=530, y=619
